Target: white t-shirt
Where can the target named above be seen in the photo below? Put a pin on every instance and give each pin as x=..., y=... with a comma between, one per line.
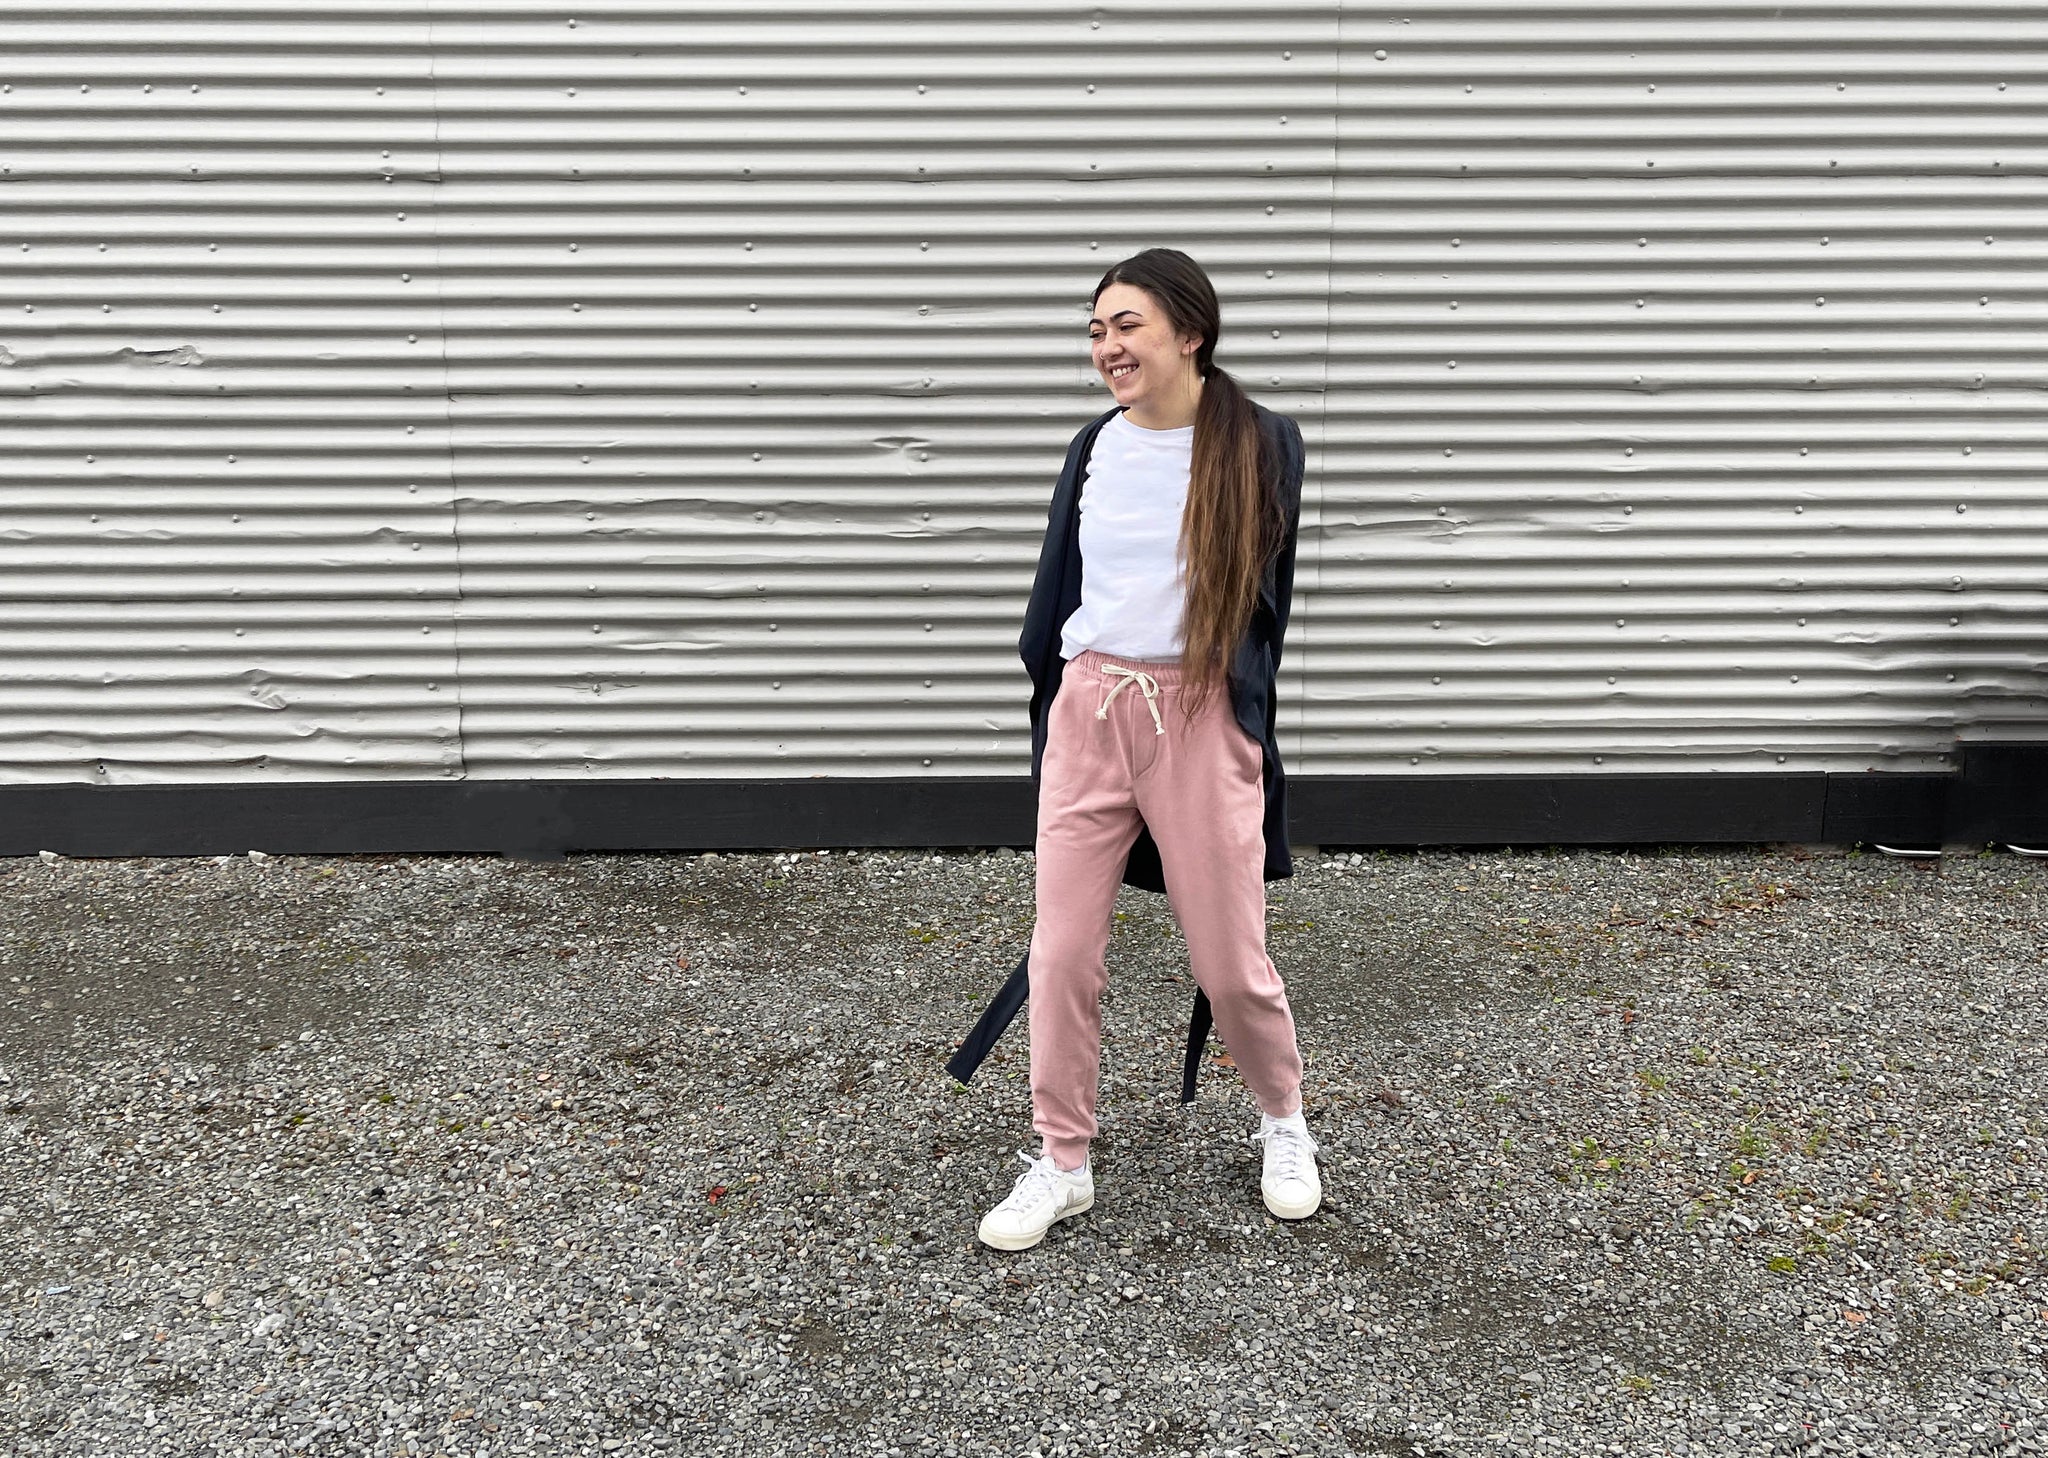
x=1132, y=585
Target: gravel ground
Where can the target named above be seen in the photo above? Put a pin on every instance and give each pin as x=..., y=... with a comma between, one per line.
x=1683, y=1152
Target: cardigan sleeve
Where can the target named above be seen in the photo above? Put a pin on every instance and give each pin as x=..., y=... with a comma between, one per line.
x=1281, y=603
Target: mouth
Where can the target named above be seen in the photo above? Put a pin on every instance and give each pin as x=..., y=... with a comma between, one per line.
x=1121, y=372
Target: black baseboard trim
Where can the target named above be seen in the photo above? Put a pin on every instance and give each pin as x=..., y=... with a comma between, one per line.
x=1999, y=793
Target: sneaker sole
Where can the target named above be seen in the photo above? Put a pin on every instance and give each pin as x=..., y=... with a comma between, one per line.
x=1020, y=1243
x=1291, y=1212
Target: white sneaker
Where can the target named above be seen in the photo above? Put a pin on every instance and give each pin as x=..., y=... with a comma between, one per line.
x=1044, y=1193
x=1290, y=1184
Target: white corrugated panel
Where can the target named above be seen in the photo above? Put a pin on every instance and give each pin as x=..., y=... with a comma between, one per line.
x=538, y=390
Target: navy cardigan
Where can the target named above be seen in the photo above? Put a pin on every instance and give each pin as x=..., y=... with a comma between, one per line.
x=1056, y=594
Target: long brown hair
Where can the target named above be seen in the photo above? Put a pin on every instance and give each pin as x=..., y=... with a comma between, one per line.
x=1232, y=524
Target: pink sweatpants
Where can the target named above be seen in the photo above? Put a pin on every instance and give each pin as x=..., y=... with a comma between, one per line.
x=1196, y=787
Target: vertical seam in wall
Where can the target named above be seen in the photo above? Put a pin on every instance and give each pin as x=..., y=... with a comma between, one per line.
x=1323, y=385
x=447, y=401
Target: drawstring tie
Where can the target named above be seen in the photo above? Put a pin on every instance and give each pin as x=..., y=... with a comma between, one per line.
x=1147, y=684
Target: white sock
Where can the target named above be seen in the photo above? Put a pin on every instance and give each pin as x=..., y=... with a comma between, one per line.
x=1292, y=1121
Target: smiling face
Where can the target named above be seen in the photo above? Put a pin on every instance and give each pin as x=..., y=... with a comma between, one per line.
x=1148, y=366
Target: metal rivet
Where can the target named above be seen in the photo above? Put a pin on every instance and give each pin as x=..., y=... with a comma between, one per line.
x=1628, y=450
x=1952, y=622
x=1841, y=86
x=572, y=247
x=1454, y=242
x=748, y=247
x=1819, y=299
x=216, y=308
x=1642, y=242
x=1653, y=85
x=90, y=459
x=1450, y=364
x=1442, y=511
x=1628, y=511
x=920, y=90
x=1639, y=303
x=1468, y=88
x=755, y=308
x=1379, y=55
x=405, y=278
x=401, y=217
x=1269, y=212
x=1454, y=303
x=1983, y=298
x=1287, y=55
x=106, y=308
x=1610, y=678
x=1599, y=759
x=1799, y=511
x=924, y=247
x=1447, y=450
x=1823, y=240
x=1436, y=622
x=1795, y=678
x=1434, y=678
x=1091, y=89
x=380, y=90
x=1621, y=622
x=1802, y=450
x=1802, y=622
x=1966, y=450
x=1961, y=508
x=1276, y=334
x=412, y=339
x=572, y=91
x=572, y=25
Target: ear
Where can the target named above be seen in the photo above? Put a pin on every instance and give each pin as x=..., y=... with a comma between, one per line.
x=1191, y=344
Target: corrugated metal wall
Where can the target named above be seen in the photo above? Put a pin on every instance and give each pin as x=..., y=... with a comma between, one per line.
x=528, y=390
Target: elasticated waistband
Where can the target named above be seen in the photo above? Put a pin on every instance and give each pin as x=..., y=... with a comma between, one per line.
x=1165, y=673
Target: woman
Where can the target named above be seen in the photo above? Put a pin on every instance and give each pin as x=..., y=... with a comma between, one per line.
x=1152, y=636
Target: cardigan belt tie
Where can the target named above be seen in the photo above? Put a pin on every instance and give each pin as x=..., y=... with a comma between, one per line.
x=1147, y=684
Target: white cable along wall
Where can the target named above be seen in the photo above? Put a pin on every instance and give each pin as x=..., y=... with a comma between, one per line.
x=519, y=390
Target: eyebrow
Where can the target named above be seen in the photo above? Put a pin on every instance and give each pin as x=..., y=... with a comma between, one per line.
x=1117, y=315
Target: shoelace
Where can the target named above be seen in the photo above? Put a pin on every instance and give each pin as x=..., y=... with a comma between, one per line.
x=1289, y=1149
x=1038, y=1183
x=1147, y=685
